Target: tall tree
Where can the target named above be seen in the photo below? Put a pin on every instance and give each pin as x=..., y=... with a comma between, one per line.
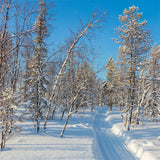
x=37, y=79
x=134, y=44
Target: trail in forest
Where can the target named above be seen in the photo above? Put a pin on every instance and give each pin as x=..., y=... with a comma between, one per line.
x=110, y=146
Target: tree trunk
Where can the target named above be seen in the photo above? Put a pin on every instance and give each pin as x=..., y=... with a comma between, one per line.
x=37, y=126
x=70, y=112
x=63, y=113
x=110, y=104
x=2, y=135
x=54, y=110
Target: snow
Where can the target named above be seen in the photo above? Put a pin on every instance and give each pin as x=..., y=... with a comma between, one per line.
x=76, y=144
x=142, y=140
x=98, y=135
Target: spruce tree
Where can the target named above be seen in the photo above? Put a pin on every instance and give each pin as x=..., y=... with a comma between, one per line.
x=37, y=81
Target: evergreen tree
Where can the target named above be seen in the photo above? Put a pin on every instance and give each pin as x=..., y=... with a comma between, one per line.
x=110, y=86
x=37, y=81
x=134, y=43
x=86, y=75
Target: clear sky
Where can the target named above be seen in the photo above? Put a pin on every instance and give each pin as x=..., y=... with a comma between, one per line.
x=69, y=12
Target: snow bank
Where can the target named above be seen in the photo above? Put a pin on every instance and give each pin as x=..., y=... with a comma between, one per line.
x=141, y=140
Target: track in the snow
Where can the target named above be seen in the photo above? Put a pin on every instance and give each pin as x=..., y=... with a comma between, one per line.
x=110, y=146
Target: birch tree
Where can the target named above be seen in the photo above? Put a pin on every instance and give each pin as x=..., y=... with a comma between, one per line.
x=80, y=96
x=85, y=31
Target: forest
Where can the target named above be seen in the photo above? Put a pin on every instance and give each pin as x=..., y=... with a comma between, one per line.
x=37, y=81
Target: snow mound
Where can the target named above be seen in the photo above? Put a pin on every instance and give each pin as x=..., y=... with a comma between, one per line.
x=141, y=140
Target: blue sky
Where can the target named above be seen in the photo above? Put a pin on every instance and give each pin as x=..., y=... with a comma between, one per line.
x=69, y=12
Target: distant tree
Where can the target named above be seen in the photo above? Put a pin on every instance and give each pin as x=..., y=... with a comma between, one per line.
x=80, y=94
x=110, y=86
x=86, y=74
x=121, y=81
x=134, y=43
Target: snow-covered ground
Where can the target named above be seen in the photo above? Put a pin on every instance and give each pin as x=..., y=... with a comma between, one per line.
x=76, y=143
x=95, y=135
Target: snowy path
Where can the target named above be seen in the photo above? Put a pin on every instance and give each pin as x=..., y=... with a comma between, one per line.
x=110, y=146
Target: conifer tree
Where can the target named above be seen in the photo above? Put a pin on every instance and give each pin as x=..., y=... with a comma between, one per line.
x=37, y=80
x=134, y=44
x=86, y=75
x=110, y=86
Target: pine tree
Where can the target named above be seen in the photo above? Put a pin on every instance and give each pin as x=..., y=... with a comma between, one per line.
x=134, y=43
x=86, y=75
